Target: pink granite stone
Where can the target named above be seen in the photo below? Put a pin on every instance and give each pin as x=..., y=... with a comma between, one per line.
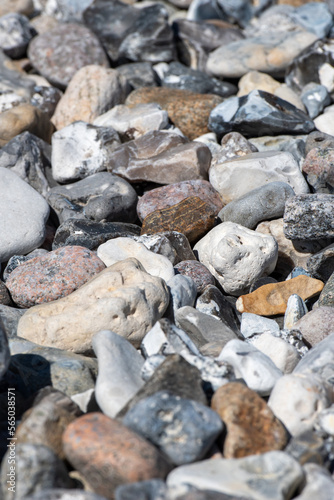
x=197, y=271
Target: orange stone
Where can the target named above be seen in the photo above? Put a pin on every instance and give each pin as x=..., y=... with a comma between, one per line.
x=109, y=454
x=272, y=299
x=192, y=216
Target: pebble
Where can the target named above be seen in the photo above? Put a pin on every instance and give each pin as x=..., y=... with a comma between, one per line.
x=159, y=244
x=52, y=276
x=318, y=167
x=295, y=309
x=25, y=7
x=213, y=302
x=315, y=98
x=327, y=295
x=182, y=291
x=253, y=324
x=15, y=34
x=281, y=352
x=319, y=483
x=321, y=264
x=197, y=271
x=317, y=361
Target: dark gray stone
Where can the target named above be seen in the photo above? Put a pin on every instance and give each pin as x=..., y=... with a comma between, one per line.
x=209, y=495
x=214, y=303
x=327, y=295
x=315, y=97
x=297, y=271
x=318, y=140
x=263, y=203
x=4, y=295
x=13, y=263
x=309, y=217
x=46, y=99
x=265, y=280
x=14, y=81
x=139, y=74
x=307, y=447
x=258, y=113
x=15, y=34
x=183, y=429
x=4, y=352
x=154, y=489
x=321, y=264
x=181, y=245
x=10, y=317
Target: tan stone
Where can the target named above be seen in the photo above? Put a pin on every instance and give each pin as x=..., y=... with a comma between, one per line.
x=122, y=298
x=25, y=7
x=252, y=428
x=24, y=118
x=272, y=299
x=284, y=92
x=256, y=80
x=296, y=3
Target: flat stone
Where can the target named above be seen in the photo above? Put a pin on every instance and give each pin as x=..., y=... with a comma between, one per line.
x=273, y=116
x=236, y=256
x=319, y=483
x=92, y=91
x=191, y=217
x=253, y=324
x=52, y=276
x=197, y=271
x=234, y=178
x=280, y=351
x=321, y=264
x=119, y=372
x=188, y=111
x=15, y=34
x=214, y=303
x=251, y=426
x=319, y=169
x=167, y=196
x=295, y=309
x=272, y=299
x=109, y=454
x=263, y=203
x=122, y=286
x=60, y=53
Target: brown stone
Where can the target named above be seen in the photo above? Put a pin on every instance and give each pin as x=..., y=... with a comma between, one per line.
x=25, y=7
x=187, y=110
x=272, y=299
x=296, y=3
x=109, y=454
x=319, y=169
x=193, y=217
x=252, y=428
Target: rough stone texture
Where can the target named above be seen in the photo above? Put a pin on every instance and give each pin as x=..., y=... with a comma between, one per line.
x=60, y=53
x=102, y=303
x=319, y=140
x=192, y=217
x=187, y=110
x=252, y=324
x=321, y=264
x=309, y=217
x=236, y=256
x=319, y=169
x=52, y=276
x=166, y=196
x=232, y=145
x=15, y=34
x=251, y=426
x=160, y=244
x=272, y=299
x=197, y=271
x=316, y=324
x=140, y=74
x=92, y=91
x=327, y=295
x=108, y=454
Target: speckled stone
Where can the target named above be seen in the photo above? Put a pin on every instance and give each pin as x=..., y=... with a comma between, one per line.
x=52, y=276
x=192, y=217
x=109, y=454
x=252, y=428
x=319, y=169
x=197, y=271
x=166, y=196
x=187, y=110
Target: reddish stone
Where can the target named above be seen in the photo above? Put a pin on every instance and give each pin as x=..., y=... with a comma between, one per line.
x=109, y=454
x=167, y=196
x=319, y=169
x=52, y=276
x=197, y=271
x=193, y=217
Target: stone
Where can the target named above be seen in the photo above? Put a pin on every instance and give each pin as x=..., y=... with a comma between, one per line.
x=92, y=91
x=237, y=177
x=153, y=488
x=318, y=361
x=55, y=275
x=273, y=116
x=183, y=293
x=15, y=34
x=309, y=216
x=109, y=454
x=80, y=150
x=25, y=7
x=297, y=399
x=272, y=475
x=321, y=264
x=327, y=295
x=319, y=169
x=180, y=244
x=160, y=244
x=4, y=351
x=102, y=303
x=295, y=309
x=187, y=110
x=233, y=145
x=253, y=324
x=119, y=249
x=324, y=121
x=319, y=140
x=167, y=196
x=287, y=94
x=131, y=123
x=325, y=420
x=191, y=217
x=119, y=371
x=255, y=80
x=99, y=197
x=60, y=53
x=282, y=353
x=10, y=317
x=272, y=299
x=46, y=98
x=315, y=97
x=307, y=447
x=297, y=271
x=263, y=203
x=251, y=427
x=294, y=144
x=5, y=298
x=62, y=494
x=257, y=369
x=214, y=303
x=197, y=271
x=21, y=118
x=319, y=482
x=66, y=11
x=140, y=74
x=236, y=256
x=26, y=212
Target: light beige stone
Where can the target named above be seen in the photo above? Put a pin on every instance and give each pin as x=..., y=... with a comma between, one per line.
x=257, y=80
x=25, y=7
x=122, y=298
x=284, y=92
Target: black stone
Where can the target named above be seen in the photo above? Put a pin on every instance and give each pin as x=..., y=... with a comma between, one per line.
x=321, y=264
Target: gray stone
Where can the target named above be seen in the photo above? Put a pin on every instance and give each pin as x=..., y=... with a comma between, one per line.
x=321, y=264
x=252, y=324
x=298, y=271
x=284, y=355
x=319, y=140
x=183, y=292
x=319, y=361
x=158, y=243
x=10, y=317
x=15, y=34
x=316, y=325
x=295, y=309
x=214, y=303
x=183, y=429
x=327, y=295
x=263, y=203
x=308, y=446
x=139, y=74
x=319, y=484
x=314, y=17
x=315, y=97
x=46, y=99
x=4, y=352
x=66, y=10
x=64, y=494
x=153, y=489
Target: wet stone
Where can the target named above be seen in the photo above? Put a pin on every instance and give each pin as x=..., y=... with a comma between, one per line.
x=197, y=271
x=319, y=169
x=15, y=34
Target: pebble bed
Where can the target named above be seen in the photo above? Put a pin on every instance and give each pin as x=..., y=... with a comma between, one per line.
x=166, y=250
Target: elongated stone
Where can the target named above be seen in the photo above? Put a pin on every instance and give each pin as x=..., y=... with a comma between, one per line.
x=295, y=309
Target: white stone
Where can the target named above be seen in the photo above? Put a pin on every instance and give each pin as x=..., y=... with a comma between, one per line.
x=237, y=256
x=295, y=309
x=284, y=355
x=119, y=249
x=325, y=122
x=86, y=400
x=298, y=399
x=23, y=215
x=80, y=150
x=234, y=178
x=326, y=76
x=183, y=291
x=252, y=324
x=119, y=377
x=319, y=484
x=325, y=420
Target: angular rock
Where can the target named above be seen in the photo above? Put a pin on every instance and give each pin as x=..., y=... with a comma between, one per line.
x=252, y=324
x=321, y=264
x=139, y=74
x=183, y=293
x=15, y=34
x=319, y=169
x=295, y=309
x=214, y=303
x=272, y=299
x=102, y=303
x=236, y=256
x=55, y=275
x=197, y=271
x=159, y=244
x=280, y=351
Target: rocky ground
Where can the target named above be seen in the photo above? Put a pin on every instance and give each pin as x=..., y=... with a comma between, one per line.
x=167, y=250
